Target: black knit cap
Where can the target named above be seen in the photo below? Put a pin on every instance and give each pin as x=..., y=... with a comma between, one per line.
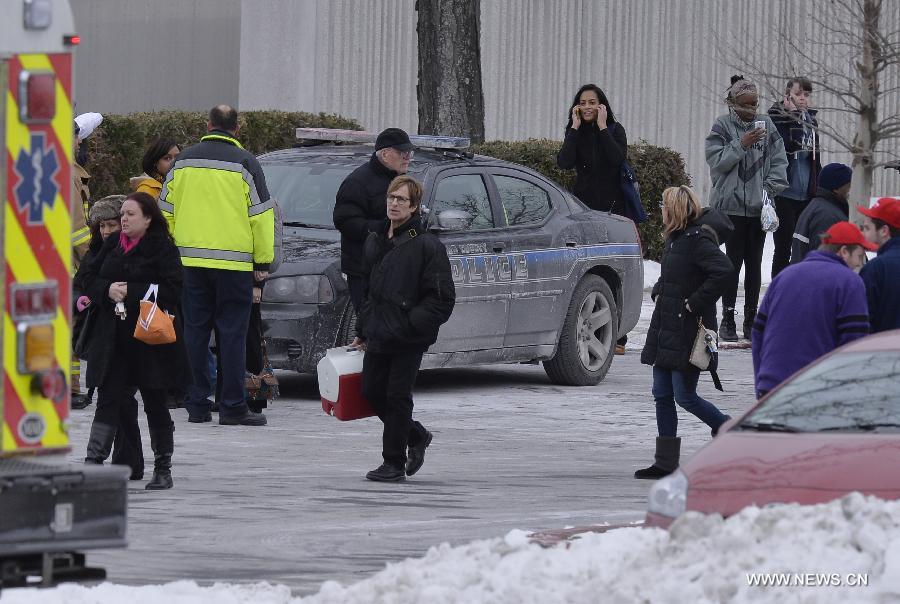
x=393, y=137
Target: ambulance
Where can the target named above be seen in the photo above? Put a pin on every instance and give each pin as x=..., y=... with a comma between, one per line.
x=50, y=510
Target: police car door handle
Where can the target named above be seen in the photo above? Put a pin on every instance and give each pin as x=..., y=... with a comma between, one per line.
x=571, y=243
x=498, y=246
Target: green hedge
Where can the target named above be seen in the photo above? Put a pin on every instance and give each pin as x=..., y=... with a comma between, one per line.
x=116, y=148
x=657, y=168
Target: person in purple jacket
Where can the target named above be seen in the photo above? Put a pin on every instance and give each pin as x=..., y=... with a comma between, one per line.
x=811, y=308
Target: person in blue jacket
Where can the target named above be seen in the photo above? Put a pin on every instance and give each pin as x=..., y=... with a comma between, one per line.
x=881, y=276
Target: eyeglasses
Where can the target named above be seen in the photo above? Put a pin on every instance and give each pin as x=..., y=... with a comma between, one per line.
x=400, y=201
x=404, y=154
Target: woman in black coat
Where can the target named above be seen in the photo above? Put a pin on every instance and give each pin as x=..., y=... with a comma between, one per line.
x=122, y=272
x=694, y=273
x=409, y=294
x=595, y=146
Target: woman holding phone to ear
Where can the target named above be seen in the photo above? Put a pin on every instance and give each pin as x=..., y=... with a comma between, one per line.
x=595, y=146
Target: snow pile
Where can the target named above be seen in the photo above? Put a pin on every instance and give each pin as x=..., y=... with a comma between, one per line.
x=702, y=559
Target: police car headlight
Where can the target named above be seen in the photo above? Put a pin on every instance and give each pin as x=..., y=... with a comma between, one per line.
x=303, y=289
x=668, y=497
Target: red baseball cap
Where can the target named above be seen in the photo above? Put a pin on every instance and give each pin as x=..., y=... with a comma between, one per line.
x=847, y=233
x=885, y=209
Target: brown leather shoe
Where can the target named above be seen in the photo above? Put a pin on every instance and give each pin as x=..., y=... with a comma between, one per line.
x=620, y=349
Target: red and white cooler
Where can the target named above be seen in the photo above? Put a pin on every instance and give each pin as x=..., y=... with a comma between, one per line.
x=340, y=384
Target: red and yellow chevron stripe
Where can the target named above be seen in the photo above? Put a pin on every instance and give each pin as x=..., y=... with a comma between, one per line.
x=37, y=251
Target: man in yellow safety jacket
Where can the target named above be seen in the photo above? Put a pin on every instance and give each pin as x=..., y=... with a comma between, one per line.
x=220, y=214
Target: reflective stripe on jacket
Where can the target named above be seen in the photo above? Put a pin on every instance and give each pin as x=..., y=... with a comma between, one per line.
x=218, y=207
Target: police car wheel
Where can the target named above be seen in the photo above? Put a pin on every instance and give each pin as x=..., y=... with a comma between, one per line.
x=588, y=337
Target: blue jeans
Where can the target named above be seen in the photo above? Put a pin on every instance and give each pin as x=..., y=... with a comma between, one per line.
x=672, y=386
x=220, y=299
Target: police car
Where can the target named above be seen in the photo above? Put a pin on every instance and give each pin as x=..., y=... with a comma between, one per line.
x=539, y=276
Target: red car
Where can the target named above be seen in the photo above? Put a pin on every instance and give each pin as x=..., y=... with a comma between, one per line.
x=830, y=429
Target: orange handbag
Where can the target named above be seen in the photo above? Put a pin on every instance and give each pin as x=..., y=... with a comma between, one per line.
x=154, y=325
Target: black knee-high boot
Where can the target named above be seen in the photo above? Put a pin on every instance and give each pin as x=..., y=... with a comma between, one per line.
x=100, y=443
x=163, y=444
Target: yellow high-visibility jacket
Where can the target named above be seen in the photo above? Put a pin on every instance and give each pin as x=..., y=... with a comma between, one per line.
x=218, y=207
x=81, y=232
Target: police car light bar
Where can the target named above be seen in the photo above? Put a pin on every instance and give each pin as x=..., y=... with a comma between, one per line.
x=358, y=136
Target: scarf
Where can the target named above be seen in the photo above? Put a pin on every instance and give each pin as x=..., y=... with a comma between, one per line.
x=127, y=243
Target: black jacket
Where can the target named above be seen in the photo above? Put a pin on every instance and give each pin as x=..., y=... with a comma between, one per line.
x=154, y=259
x=597, y=156
x=694, y=273
x=78, y=288
x=359, y=209
x=823, y=211
x=791, y=131
x=409, y=289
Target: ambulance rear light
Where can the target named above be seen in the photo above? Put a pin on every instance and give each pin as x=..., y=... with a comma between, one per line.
x=359, y=136
x=34, y=302
x=37, y=96
x=71, y=40
x=36, y=347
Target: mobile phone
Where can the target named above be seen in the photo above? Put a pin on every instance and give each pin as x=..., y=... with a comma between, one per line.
x=760, y=124
x=578, y=110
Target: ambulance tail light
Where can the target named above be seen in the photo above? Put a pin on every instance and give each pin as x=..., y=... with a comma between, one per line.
x=36, y=347
x=37, y=96
x=34, y=302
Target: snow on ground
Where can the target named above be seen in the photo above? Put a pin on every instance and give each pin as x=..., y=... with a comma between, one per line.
x=651, y=268
x=702, y=559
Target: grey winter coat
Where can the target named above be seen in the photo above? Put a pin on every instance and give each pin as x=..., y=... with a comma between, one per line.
x=739, y=175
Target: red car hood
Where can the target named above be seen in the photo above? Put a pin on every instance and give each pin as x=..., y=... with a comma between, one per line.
x=742, y=468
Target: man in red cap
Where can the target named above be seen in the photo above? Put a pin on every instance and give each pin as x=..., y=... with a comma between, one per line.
x=881, y=226
x=811, y=308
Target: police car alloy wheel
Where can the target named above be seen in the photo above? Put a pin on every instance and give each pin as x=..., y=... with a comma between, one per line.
x=588, y=337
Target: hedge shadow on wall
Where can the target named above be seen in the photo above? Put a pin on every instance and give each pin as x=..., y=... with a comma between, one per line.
x=657, y=168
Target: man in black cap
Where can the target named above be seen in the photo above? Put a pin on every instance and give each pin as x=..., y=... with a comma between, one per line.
x=360, y=203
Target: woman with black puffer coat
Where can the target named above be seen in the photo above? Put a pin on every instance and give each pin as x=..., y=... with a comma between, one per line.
x=694, y=273
x=116, y=281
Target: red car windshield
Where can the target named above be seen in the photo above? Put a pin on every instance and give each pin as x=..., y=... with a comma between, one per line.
x=855, y=391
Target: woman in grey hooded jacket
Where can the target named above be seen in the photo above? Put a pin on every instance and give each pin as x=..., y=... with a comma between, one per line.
x=743, y=161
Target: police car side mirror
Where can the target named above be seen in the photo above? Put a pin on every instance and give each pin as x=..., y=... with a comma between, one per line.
x=453, y=220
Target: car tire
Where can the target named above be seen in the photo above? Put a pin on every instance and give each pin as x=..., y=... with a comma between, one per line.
x=585, y=349
x=347, y=330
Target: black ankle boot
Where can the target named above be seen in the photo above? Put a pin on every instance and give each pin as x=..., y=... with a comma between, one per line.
x=668, y=453
x=163, y=444
x=728, y=330
x=749, y=318
x=100, y=443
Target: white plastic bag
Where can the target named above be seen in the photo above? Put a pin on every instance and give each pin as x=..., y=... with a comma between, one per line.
x=768, y=217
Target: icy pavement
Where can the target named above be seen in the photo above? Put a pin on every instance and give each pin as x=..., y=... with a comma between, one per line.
x=289, y=504
x=843, y=551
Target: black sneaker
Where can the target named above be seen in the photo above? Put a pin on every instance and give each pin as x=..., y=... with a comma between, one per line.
x=416, y=455
x=80, y=401
x=654, y=472
x=200, y=419
x=248, y=419
x=386, y=473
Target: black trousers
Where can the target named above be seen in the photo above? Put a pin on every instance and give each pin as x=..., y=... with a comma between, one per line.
x=745, y=248
x=356, y=286
x=127, y=448
x=115, y=396
x=788, y=211
x=219, y=299
x=388, y=381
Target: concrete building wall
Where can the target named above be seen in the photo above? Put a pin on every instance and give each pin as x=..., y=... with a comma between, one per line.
x=664, y=64
x=160, y=54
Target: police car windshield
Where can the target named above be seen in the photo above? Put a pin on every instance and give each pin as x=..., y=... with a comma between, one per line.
x=853, y=391
x=305, y=192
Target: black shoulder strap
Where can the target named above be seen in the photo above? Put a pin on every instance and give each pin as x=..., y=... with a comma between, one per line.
x=716, y=382
x=407, y=235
